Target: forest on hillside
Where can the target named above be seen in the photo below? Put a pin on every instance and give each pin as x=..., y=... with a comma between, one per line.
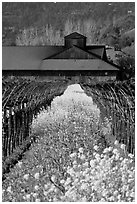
x=27, y=23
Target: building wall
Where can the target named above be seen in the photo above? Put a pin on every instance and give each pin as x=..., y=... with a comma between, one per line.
x=81, y=42
x=74, y=76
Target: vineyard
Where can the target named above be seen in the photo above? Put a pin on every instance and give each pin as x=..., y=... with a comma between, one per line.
x=22, y=100
x=63, y=145
x=117, y=101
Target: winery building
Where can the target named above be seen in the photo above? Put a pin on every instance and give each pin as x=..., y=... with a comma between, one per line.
x=73, y=59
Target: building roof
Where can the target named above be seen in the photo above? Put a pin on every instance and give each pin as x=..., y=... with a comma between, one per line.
x=31, y=58
x=26, y=57
x=76, y=51
x=75, y=35
x=57, y=57
x=80, y=64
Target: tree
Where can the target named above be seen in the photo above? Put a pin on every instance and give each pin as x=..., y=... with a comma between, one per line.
x=127, y=64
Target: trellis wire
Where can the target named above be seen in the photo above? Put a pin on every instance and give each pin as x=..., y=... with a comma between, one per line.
x=117, y=99
x=22, y=100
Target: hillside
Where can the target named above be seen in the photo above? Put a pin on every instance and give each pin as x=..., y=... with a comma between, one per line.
x=46, y=23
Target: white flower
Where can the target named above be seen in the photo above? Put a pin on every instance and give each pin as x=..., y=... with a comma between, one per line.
x=115, y=151
x=62, y=181
x=97, y=156
x=117, y=156
x=96, y=147
x=110, y=149
x=19, y=164
x=74, y=162
x=36, y=187
x=106, y=150
x=104, y=193
x=9, y=189
x=36, y=175
x=34, y=195
x=92, y=163
x=85, y=164
x=115, y=193
x=28, y=196
x=73, y=155
x=127, y=194
x=26, y=176
x=45, y=193
x=84, y=199
x=84, y=186
x=116, y=143
x=68, y=181
x=111, y=198
x=123, y=146
x=75, y=182
x=131, y=156
x=53, y=178
x=132, y=194
x=125, y=161
x=81, y=150
x=37, y=200
x=46, y=186
x=82, y=157
x=70, y=171
x=130, y=180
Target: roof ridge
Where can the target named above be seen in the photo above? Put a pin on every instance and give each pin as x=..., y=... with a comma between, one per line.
x=75, y=35
x=87, y=51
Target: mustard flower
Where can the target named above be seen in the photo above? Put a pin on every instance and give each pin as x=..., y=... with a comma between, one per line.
x=110, y=149
x=70, y=171
x=74, y=166
x=46, y=186
x=82, y=157
x=26, y=176
x=34, y=195
x=36, y=187
x=45, y=193
x=28, y=197
x=36, y=175
x=132, y=194
x=9, y=189
x=84, y=186
x=37, y=200
x=19, y=164
x=97, y=156
x=106, y=150
x=92, y=163
x=85, y=164
x=53, y=178
x=96, y=147
x=131, y=156
x=127, y=194
x=116, y=143
x=111, y=198
x=83, y=199
x=115, y=151
x=115, y=193
x=74, y=162
x=123, y=146
x=68, y=181
x=62, y=181
x=81, y=150
x=73, y=155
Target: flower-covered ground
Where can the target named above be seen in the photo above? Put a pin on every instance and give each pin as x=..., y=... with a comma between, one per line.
x=75, y=157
